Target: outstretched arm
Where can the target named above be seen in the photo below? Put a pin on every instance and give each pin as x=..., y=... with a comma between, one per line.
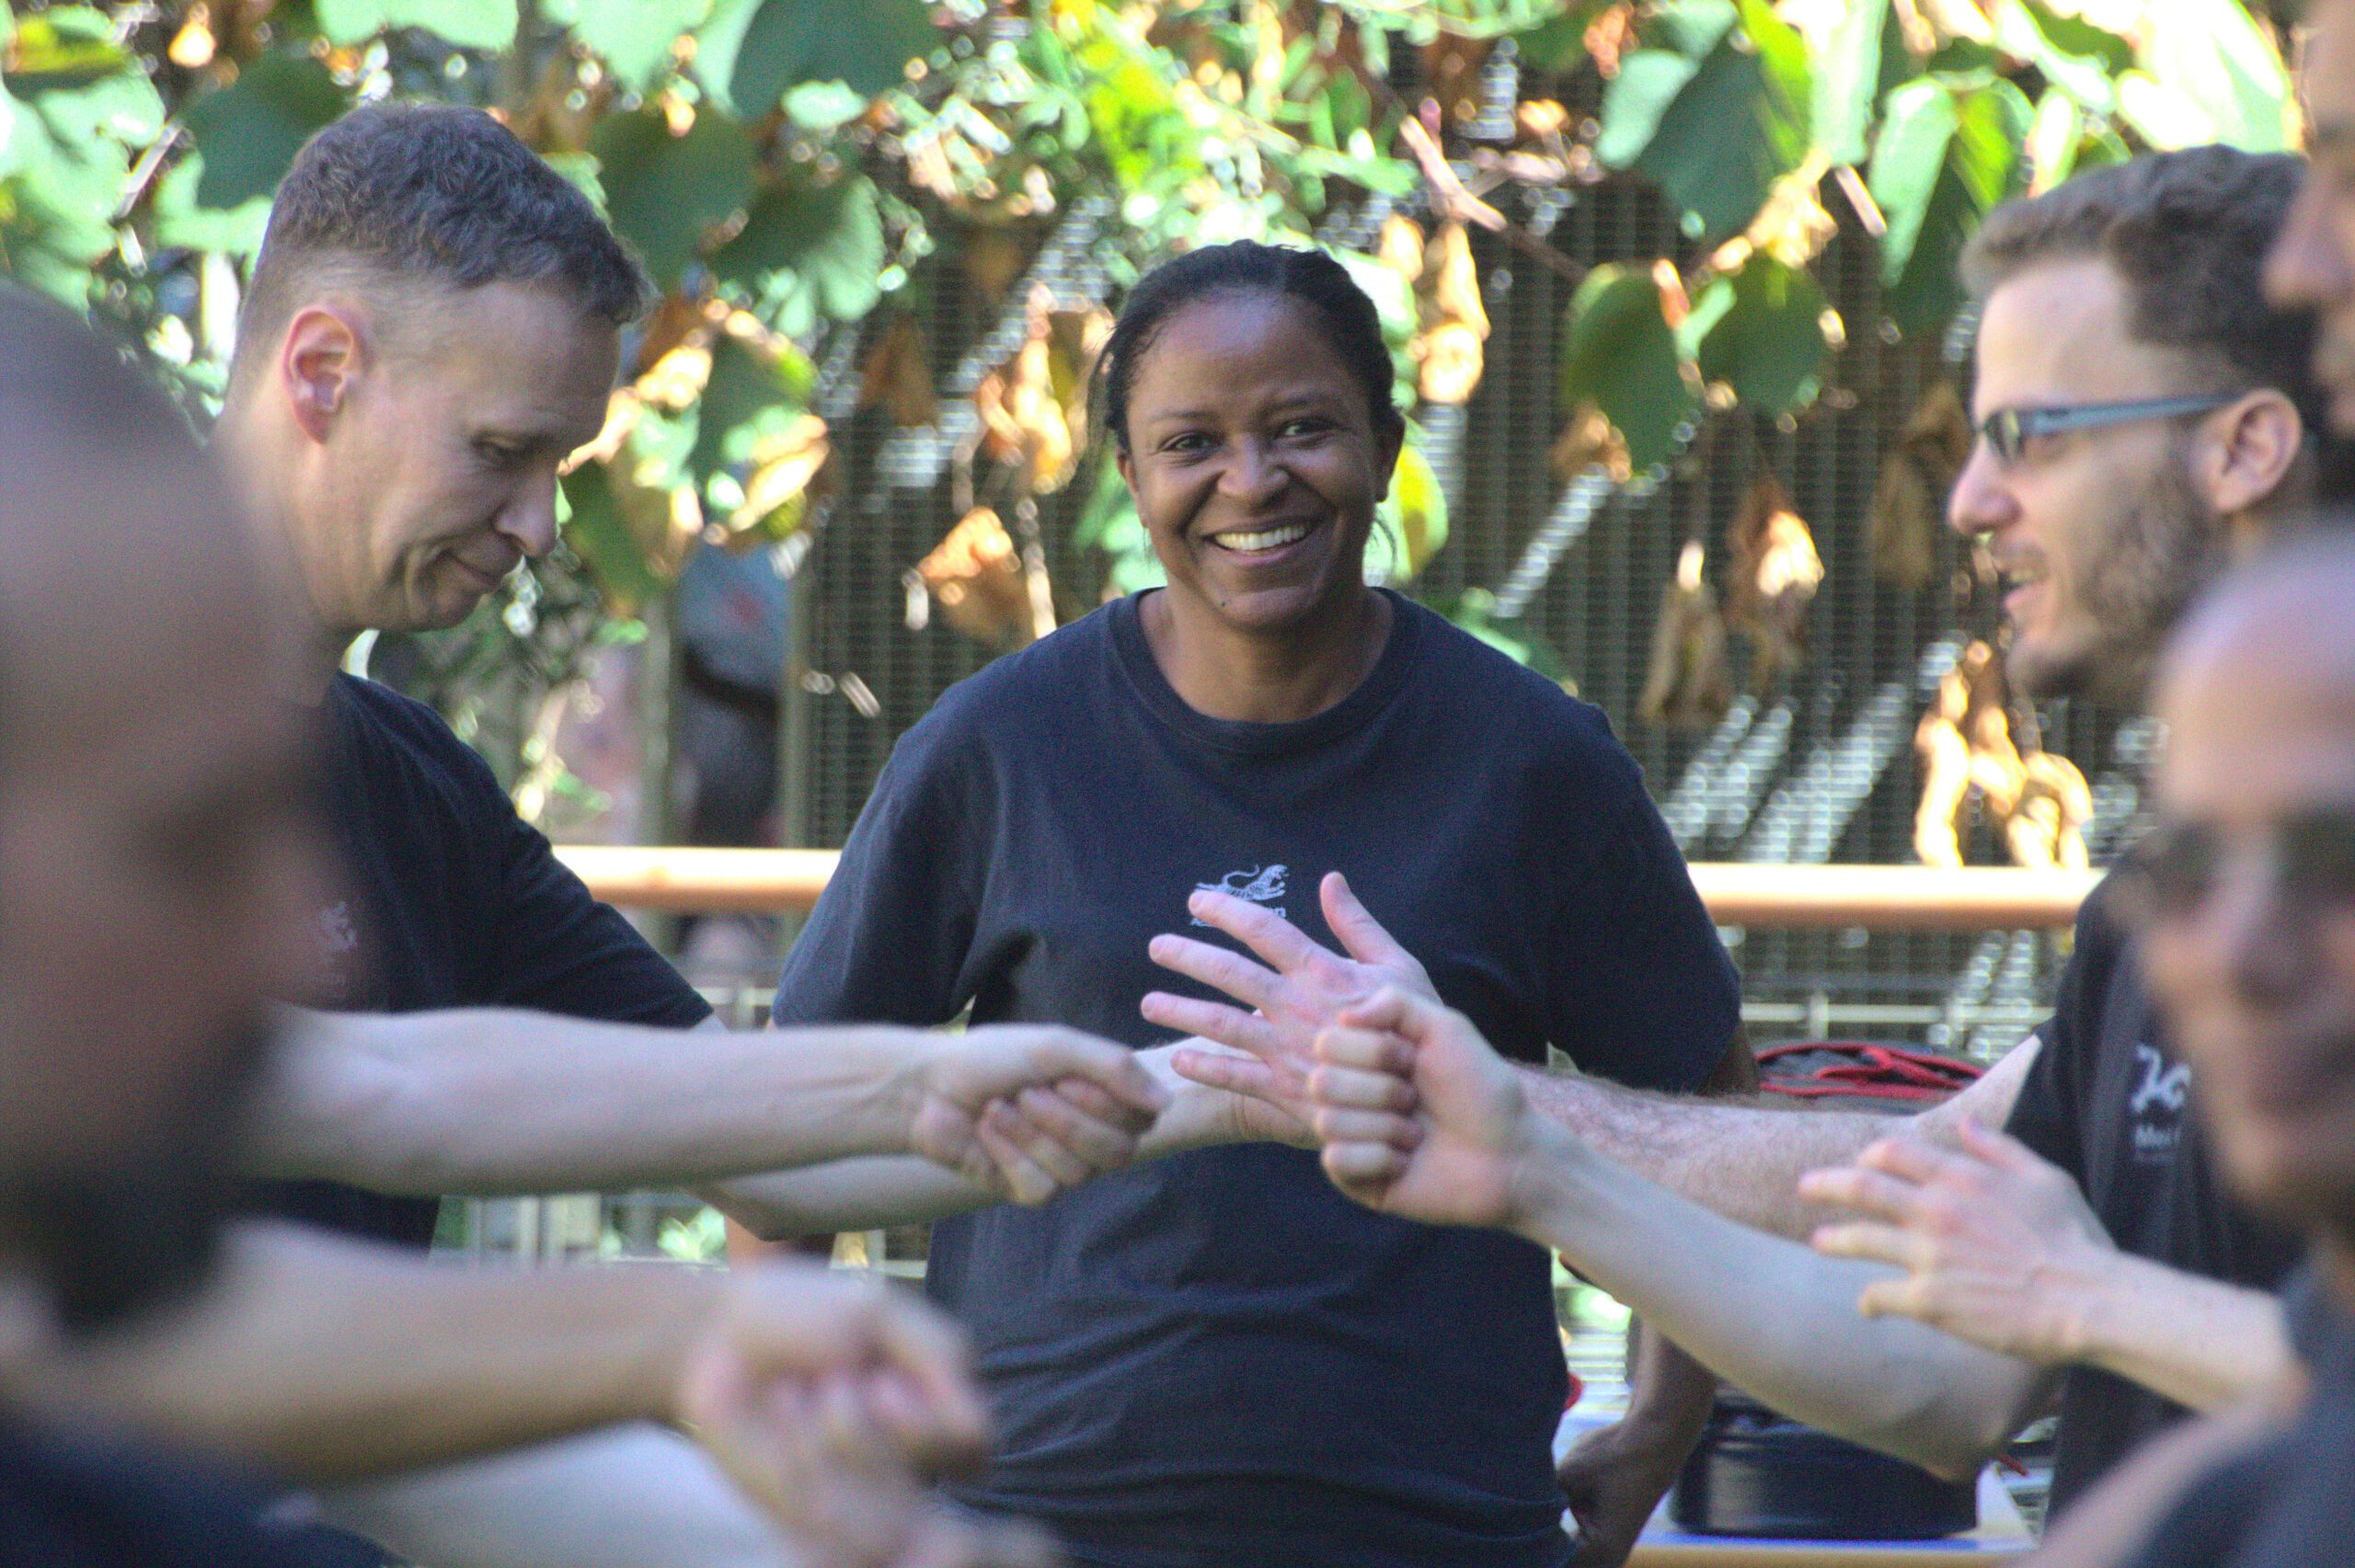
x=1998, y=1247
x=827, y=1399
x=499, y=1101
x=1421, y=1118
x=866, y=1194
x=1741, y=1156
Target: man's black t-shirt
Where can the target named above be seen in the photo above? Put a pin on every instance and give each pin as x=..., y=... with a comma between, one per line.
x=73, y=1500
x=2108, y=1101
x=1216, y=1357
x=453, y=901
x=2288, y=1500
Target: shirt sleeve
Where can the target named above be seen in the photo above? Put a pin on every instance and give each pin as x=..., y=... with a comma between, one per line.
x=1644, y=993
x=2046, y=1115
x=890, y=939
x=558, y=949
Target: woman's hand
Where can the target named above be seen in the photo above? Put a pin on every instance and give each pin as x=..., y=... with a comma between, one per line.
x=1303, y=987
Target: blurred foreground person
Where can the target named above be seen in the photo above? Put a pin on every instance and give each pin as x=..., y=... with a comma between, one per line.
x=2140, y=409
x=158, y=862
x=2244, y=895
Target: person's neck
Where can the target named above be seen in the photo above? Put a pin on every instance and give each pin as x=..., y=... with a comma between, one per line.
x=1226, y=672
x=260, y=474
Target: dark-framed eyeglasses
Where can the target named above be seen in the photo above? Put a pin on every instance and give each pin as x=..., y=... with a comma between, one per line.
x=2007, y=431
x=2174, y=870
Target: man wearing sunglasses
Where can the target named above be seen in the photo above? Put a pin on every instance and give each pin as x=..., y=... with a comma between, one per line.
x=2139, y=408
x=2244, y=900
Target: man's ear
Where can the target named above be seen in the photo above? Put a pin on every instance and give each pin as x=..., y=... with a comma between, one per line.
x=2255, y=441
x=323, y=355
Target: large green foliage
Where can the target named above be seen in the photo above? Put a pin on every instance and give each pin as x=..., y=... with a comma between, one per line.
x=787, y=164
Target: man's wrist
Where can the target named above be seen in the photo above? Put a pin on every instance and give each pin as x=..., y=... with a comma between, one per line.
x=2090, y=1291
x=1541, y=1164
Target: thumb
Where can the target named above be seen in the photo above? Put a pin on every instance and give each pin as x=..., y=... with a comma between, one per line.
x=1361, y=934
x=1997, y=1148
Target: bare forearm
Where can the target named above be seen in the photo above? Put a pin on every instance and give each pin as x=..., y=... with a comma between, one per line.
x=1771, y=1316
x=285, y=1361
x=493, y=1101
x=2202, y=1342
x=869, y=1193
x=626, y=1497
x=1742, y=1157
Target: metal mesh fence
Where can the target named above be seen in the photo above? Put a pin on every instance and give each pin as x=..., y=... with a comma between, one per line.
x=1819, y=769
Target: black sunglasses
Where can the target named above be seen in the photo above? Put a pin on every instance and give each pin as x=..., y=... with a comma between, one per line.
x=2007, y=431
x=2173, y=870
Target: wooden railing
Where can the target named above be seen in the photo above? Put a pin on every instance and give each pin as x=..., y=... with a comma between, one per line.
x=1878, y=898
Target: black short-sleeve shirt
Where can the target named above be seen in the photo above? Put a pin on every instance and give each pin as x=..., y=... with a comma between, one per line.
x=451, y=899
x=2108, y=1101
x=2288, y=1500
x=1216, y=1357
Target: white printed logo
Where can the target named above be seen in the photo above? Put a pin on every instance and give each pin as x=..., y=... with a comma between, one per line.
x=1261, y=885
x=2156, y=1108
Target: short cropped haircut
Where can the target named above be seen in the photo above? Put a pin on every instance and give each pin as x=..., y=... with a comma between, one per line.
x=435, y=193
x=2187, y=232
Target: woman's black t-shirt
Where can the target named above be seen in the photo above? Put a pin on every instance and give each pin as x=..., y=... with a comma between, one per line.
x=1216, y=1357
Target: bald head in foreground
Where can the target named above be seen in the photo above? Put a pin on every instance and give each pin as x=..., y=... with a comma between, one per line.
x=2244, y=894
x=160, y=861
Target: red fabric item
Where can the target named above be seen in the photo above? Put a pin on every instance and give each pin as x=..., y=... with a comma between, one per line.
x=1868, y=1071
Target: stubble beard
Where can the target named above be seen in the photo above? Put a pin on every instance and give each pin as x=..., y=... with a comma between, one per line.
x=2139, y=576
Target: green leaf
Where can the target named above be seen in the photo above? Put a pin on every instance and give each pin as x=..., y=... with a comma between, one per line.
x=810, y=252
x=1908, y=159
x=1692, y=28
x=1737, y=125
x=1636, y=101
x=823, y=106
x=1766, y=341
x=1928, y=291
x=2216, y=55
x=602, y=537
x=1619, y=352
x=1994, y=125
x=1558, y=45
x=66, y=41
x=248, y=132
x=753, y=49
x=634, y=37
x=2074, y=56
x=2053, y=139
x=1414, y=512
x=485, y=25
x=663, y=191
x=746, y=400
x=1110, y=524
x=1474, y=611
x=181, y=223
x=1847, y=82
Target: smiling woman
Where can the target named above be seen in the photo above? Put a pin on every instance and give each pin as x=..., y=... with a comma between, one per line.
x=1215, y=1357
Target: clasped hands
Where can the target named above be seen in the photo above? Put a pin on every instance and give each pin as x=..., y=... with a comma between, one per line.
x=1418, y=1116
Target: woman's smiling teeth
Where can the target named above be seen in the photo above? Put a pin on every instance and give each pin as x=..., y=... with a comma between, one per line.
x=1252, y=544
